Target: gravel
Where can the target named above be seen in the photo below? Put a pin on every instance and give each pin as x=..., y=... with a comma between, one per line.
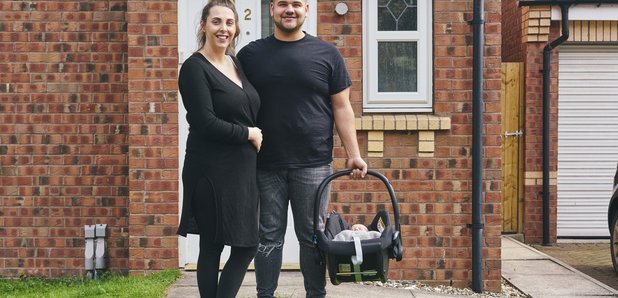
x=507, y=289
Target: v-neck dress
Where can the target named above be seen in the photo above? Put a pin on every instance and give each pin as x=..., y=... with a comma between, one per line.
x=220, y=162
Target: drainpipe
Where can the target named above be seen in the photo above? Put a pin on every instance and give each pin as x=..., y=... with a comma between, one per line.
x=564, y=9
x=477, y=148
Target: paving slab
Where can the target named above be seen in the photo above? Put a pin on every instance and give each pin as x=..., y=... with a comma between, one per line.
x=534, y=266
x=526, y=268
x=562, y=285
x=520, y=253
x=540, y=275
x=591, y=257
x=291, y=286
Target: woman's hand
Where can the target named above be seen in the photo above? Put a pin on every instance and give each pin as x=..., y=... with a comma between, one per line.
x=255, y=137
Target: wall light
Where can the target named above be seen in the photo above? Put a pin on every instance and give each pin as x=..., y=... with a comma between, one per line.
x=341, y=8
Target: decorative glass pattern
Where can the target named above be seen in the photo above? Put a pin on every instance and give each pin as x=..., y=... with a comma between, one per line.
x=397, y=15
x=397, y=67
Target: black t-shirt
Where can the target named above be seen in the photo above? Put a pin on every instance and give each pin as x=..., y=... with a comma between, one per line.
x=295, y=81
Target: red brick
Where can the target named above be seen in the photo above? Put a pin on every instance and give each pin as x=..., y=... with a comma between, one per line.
x=127, y=155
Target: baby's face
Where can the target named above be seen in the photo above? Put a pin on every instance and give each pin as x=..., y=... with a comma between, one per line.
x=359, y=227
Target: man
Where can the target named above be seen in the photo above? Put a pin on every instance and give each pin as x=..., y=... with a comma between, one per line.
x=304, y=86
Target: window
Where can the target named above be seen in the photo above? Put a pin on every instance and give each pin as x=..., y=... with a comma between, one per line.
x=397, y=60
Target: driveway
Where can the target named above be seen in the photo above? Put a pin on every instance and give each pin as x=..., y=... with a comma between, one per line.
x=591, y=257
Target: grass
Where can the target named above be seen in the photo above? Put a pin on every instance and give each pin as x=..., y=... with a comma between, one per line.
x=109, y=285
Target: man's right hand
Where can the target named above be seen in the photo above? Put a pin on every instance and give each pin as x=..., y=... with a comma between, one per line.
x=358, y=167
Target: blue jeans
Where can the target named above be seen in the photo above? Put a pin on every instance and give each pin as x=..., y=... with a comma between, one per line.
x=277, y=188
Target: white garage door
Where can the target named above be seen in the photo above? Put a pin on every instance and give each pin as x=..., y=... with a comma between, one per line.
x=587, y=138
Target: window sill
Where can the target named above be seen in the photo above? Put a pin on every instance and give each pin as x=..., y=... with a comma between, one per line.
x=426, y=125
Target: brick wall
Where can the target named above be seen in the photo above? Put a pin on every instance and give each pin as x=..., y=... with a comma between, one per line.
x=533, y=140
x=537, y=30
x=153, y=134
x=593, y=31
x=88, y=134
x=526, y=32
x=98, y=103
x=63, y=133
x=512, y=46
x=535, y=23
x=434, y=193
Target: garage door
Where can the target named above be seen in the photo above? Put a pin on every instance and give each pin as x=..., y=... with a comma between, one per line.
x=587, y=138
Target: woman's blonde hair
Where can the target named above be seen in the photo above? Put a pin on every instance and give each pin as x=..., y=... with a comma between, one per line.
x=201, y=36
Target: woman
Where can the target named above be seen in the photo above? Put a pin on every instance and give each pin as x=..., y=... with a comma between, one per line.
x=220, y=192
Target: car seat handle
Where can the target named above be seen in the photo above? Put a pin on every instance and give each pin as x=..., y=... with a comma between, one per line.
x=322, y=187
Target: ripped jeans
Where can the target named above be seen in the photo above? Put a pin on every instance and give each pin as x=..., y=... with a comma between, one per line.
x=277, y=188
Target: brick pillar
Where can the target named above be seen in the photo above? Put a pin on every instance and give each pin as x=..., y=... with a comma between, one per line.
x=153, y=135
x=533, y=201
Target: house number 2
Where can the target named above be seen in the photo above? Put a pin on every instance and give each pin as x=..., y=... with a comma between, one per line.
x=247, y=14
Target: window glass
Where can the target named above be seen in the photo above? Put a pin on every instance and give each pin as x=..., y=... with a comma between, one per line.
x=397, y=15
x=397, y=69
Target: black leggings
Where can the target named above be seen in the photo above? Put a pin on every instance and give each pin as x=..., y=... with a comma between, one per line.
x=232, y=274
x=235, y=268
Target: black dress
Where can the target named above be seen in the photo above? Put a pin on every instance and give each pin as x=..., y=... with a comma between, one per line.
x=219, y=158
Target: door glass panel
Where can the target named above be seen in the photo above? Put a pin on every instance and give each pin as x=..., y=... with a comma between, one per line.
x=397, y=15
x=397, y=67
x=267, y=23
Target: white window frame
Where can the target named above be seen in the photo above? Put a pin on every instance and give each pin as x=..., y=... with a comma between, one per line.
x=420, y=101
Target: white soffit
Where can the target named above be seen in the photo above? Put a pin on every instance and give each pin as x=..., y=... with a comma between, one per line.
x=592, y=12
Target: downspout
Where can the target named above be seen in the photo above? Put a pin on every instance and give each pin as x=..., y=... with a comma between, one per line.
x=564, y=9
x=477, y=148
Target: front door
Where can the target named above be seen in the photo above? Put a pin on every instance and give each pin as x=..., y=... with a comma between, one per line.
x=254, y=22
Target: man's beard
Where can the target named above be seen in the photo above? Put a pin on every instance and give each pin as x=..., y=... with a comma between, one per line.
x=282, y=27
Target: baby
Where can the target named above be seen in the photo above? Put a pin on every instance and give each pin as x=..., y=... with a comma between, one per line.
x=356, y=230
x=359, y=227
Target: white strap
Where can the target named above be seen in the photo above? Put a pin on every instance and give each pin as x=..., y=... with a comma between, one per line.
x=358, y=258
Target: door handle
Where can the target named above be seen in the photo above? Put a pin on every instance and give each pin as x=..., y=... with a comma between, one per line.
x=516, y=133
